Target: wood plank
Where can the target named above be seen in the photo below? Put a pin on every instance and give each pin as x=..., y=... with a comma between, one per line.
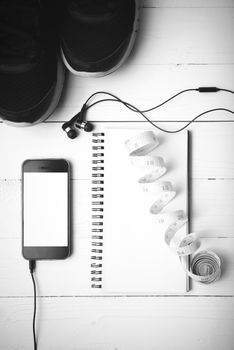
x=189, y=36
x=43, y=141
x=147, y=86
x=173, y=35
x=212, y=203
x=188, y=3
x=212, y=145
x=120, y=323
x=71, y=277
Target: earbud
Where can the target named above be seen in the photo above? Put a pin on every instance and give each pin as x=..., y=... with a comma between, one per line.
x=77, y=121
x=70, y=131
x=87, y=126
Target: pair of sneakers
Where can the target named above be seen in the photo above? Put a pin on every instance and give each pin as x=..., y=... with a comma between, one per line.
x=93, y=38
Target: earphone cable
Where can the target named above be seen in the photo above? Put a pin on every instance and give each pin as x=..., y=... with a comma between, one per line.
x=200, y=89
x=142, y=112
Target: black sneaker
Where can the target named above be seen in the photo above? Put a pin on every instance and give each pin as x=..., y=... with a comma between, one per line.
x=31, y=75
x=98, y=35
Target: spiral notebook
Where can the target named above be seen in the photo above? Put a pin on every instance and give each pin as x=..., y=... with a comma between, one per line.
x=128, y=251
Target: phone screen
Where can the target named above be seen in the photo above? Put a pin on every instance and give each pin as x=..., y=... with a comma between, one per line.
x=45, y=209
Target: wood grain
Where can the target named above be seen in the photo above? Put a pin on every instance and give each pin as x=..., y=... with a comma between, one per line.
x=212, y=204
x=185, y=36
x=212, y=219
x=181, y=44
x=211, y=144
x=119, y=323
x=152, y=84
x=72, y=276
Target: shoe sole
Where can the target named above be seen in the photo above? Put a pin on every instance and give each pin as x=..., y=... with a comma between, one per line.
x=54, y=101
x=123, y=59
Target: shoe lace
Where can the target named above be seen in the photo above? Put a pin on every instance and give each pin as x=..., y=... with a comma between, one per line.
x=94, y=6
x=19, y=30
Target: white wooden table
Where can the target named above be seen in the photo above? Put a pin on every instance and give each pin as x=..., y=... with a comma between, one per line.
x=181, y=44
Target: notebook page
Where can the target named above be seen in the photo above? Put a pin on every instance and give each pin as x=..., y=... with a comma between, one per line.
x=136, y=259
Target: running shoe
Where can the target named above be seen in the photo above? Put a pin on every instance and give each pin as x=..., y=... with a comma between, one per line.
x=98, y=35
x=31, y=73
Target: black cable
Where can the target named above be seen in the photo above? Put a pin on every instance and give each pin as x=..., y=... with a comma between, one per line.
x=158, y=127
x=32, y=264
x=135, y=109
x=78, y=121
x=148, y=110
x=200, y=89
x=143, y=111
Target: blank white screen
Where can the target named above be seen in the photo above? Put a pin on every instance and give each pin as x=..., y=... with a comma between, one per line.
x=45, y=209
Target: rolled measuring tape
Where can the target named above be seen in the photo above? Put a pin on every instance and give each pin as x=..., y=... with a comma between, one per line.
x=205, y=266
x=142, y=143
x=150, y=168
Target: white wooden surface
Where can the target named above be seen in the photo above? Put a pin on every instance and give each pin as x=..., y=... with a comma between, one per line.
x=181, y=44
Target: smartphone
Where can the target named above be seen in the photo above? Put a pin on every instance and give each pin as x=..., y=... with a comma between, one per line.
x=46, y=209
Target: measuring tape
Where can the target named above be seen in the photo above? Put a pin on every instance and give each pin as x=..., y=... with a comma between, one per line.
x=149, y=168
x=142, y=144
x=205, y=265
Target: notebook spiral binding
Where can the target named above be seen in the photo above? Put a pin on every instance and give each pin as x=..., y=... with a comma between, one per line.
x=97, y=208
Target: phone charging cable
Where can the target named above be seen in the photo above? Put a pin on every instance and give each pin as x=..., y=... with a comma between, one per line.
x=32, y=265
